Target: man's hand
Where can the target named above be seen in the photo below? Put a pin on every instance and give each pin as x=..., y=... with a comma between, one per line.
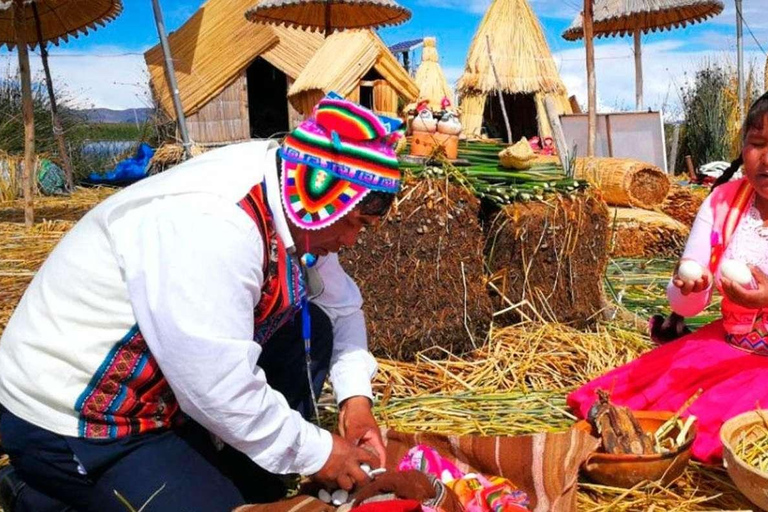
x=749, y=298
x=342, y=469
x=358, y=426
x=688, y=286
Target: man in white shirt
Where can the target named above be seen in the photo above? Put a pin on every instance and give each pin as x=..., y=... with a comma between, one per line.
x=167, y=313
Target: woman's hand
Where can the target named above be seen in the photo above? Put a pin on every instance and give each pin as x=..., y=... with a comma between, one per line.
x=688, y=286
x=751, y=298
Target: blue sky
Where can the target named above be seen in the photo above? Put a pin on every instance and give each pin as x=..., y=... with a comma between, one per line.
x=106, y=68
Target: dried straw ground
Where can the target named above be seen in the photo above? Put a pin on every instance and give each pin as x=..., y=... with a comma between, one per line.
x=514, y=385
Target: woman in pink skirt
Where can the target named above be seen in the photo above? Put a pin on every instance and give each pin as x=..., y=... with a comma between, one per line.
x=727, y=359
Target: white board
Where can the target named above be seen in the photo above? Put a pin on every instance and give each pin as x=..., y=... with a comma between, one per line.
x=638, y=135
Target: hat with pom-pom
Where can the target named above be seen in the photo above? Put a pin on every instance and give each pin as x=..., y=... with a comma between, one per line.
x=334, y=159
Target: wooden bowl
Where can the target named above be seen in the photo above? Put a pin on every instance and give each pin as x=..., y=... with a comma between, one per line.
x=626, y=471
x=752, y=482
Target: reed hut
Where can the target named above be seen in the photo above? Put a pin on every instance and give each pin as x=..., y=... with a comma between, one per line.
x=357, y=65
x=430, y=77
x=510, y=38
x=233, y=75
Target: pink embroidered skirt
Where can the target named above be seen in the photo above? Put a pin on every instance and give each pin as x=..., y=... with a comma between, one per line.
x=734, y=381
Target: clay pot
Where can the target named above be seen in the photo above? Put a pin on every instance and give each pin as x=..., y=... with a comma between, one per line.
x=626, y=471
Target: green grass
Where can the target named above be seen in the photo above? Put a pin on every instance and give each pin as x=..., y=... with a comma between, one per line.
x=109, y=132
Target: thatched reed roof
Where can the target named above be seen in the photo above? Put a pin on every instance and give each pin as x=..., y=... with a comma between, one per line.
x=344, y=14
x=59, y=19
x=430, y=78
x=343, y=61
x=217, y=44
x=622, y=17
x=520, y=52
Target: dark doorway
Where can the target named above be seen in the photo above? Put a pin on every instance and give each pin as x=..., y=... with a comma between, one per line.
x=267, y=99
x=366, y=96
x=521, y=109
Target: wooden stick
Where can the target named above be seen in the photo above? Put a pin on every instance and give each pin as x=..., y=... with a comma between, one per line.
x=691, y=169
x=638, y=72
x=557, y=132
x=58, y=131
x=28, y=175
x=674, y=149
x=591, y=86
x=498, y=89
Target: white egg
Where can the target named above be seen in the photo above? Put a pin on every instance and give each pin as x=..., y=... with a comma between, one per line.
x=324, y=496
x=736, y=271
x=689, y=271
x=339, y=497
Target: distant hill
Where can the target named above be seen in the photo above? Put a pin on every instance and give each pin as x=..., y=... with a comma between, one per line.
x=105, y=115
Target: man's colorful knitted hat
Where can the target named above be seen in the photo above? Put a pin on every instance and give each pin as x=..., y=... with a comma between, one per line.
x=334, y=159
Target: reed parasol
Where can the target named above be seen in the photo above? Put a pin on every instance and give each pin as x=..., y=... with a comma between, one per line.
x=30, y=23
x=329, y=15
x=636, y=17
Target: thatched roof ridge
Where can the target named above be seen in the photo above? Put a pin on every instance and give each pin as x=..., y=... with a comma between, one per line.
x=59, y=20
x=622, y=17
x=520, y=52
x=343, y=60
x=430, y=77
x=352, y=14
x=216, y=45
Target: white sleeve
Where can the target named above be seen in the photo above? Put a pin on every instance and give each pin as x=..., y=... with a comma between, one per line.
x=194, y=275
x=698, y=249
x=352, y=366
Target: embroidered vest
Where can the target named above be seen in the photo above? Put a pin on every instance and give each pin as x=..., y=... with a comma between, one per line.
x=129, y=394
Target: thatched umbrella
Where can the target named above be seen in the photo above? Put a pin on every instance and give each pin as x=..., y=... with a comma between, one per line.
x=329, y=15
x=29, y=23
x=430, y=78
x=636, y=17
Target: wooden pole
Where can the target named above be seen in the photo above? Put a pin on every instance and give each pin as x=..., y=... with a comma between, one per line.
x=27, y=177
x=498, y=89
x=674, y=149
x=591, y=86
x=170, y=74
x=58, y=131
x=327, y=18
x=557, y=133
x=638, y=72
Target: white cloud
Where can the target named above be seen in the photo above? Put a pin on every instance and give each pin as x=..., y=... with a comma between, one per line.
x=667, y=66
x=107, y=77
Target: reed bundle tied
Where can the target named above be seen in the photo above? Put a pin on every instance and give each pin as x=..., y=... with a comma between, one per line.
x=683, y=202
x=646, y=234
x=170, y=155
x=625, y=182
x=544, y=257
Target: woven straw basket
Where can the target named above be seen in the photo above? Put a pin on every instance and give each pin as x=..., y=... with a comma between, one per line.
x=518, y=156
x=625, y=182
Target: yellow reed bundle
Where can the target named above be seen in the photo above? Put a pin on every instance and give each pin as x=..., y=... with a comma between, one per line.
x=646, y=234
x=625, y=182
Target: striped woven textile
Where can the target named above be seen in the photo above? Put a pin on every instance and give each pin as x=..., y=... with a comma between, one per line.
x=546, y=465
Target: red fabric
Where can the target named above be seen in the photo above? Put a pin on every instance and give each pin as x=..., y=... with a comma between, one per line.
x=664, y=378
x=390, y=506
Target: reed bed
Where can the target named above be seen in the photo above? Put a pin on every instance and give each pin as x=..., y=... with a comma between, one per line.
x=640, y=285
x=527, y=357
